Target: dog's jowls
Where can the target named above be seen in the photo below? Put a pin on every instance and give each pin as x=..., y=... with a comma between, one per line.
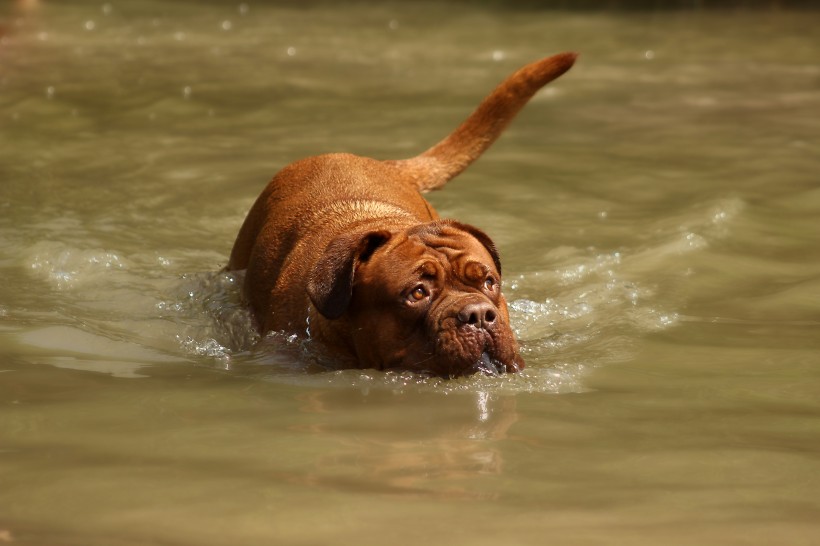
x=349, y=245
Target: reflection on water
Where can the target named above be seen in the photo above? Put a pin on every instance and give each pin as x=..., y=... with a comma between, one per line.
x=440, y=463
x=656, y=212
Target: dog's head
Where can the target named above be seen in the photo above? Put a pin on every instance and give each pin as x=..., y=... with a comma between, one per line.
x=427, y=299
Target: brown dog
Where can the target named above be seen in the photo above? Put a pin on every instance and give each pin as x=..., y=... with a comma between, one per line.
x=345, y=250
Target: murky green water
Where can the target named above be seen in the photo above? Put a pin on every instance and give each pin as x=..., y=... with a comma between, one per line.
x=657, y=211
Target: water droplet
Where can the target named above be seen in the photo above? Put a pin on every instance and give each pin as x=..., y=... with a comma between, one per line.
x=668, y=320
x=227, y=25
x=243, y=9
x=186, y=92
x=107, y=9
x=291, y=51
x=90, y=25
x=50, y=92
x=498, y=55
x=649, y=55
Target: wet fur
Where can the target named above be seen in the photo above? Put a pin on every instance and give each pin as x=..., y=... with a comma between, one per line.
x=324, y=221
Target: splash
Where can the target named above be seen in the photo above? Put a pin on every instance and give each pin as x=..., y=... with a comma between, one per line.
x=64, y=267
x=218, y=324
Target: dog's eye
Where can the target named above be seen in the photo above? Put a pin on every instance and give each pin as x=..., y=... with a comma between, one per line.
x=489, y=284
x=418, y=294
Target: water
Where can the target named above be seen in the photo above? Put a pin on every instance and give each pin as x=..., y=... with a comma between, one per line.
x=656, y=209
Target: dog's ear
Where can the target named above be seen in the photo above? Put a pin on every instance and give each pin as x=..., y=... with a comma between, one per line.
x=483, y=238
x=330, y=286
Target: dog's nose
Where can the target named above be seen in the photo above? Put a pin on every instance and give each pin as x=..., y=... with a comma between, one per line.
x=481, y=315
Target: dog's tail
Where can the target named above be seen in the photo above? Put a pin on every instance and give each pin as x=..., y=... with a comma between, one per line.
x=433, y=168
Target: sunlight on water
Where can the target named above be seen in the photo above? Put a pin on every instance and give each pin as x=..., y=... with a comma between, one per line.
x=655, y=209
x=65, y=268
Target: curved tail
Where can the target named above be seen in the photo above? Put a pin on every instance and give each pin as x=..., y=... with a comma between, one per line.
x=433, y=168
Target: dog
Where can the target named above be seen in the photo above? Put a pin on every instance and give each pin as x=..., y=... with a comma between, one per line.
x=345, y=250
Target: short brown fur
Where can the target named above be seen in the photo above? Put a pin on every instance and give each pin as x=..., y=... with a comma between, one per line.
x=346, y=243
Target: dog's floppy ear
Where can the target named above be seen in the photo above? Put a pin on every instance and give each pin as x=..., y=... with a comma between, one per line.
x=483, y=238
x=330, y=286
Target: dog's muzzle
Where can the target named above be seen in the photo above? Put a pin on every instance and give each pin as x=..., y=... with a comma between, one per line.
x=472, y=339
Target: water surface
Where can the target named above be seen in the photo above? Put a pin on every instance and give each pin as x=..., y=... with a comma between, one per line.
x=656, y=210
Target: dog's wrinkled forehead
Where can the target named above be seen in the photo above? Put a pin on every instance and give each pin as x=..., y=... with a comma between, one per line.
x=433, y=231
x=453, y=239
